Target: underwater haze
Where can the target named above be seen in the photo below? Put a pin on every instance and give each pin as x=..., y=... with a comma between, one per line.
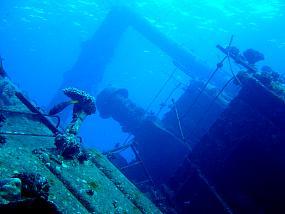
x=41, y=40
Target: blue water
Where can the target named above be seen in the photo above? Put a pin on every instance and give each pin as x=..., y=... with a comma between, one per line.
x=41, y=40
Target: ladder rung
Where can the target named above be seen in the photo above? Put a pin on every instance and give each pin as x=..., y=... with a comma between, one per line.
x=143, y=182
x=131, y=165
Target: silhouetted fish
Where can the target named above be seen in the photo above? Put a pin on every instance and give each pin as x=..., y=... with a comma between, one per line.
x=59, y=107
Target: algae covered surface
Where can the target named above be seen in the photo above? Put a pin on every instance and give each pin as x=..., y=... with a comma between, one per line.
x=94, y=186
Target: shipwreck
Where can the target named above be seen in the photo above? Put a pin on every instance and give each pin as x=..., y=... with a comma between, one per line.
x=217, y=150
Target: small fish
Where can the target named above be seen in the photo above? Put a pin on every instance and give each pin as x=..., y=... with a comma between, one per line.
x=59, y=107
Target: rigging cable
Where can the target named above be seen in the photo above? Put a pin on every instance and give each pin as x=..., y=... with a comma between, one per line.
x=220, y=92
x=194, y=166
x=180, y=126
x=211, y=188
x=163, y=104
x=231, y=69
x=178, y=120
x=161, y=89
x=218, y=67
x=33, y=114
x=25, y=134
x=128, y=138
x=197, y=169
x=206, y=112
